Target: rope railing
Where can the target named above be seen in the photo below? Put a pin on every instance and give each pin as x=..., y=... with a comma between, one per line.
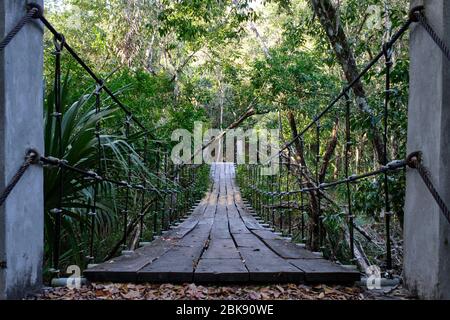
x=32, y=157
x=34, y=12
x=414, y=161
x=153, y=197
x=261, y=189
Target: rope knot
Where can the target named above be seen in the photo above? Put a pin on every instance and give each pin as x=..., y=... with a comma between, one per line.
x=32, y=156
x=415, y=12
x=38, y=10
x=414, y=159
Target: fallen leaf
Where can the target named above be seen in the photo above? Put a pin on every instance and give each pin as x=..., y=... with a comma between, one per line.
x=132, y=295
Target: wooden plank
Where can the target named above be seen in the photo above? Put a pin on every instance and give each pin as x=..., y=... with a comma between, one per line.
x=199, y=235
x=200, y=209
x=220, y=230
x=210, y=210
x=289, y=250
x=194, y=239
x=221, y=213
x=177, y=265
x=222, y=200
x=221, y=270
x=247, y=240
x=237, y=226
x=265, y=234
x=221, y=249
x=251, y=223
x=265, y=266
x=178, y=232
x=324, y=271
x=205, y=222
x=124, y=268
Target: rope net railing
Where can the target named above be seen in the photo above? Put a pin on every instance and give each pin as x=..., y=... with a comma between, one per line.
x=173, y=189
x=296, y=200
x=152, y=192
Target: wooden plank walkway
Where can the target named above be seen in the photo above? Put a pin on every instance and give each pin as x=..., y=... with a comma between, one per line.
x=221, y=242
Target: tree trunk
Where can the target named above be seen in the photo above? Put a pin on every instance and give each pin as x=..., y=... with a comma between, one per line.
x=329, y=19
x=331, y=147
x=299, y=157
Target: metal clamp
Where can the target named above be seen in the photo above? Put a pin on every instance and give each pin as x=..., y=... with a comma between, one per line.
x=56, y=211
x=59, y=42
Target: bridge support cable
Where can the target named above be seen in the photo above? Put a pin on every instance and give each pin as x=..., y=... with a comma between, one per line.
x=156, y=204
x=34, y=12
x=93, y=212
x=418, y=15
x=348, y=144
x=288, y=181
x=125, y=210
x=387, y=205
x=144, y=185
x=57, y=115
x=414, y=161
x=32, y=157
x=318, y=223
x=166, y=211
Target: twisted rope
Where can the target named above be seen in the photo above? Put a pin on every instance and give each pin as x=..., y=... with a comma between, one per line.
x=414, y=161
x=33, y=13
x=417, y=15
x=32, y=157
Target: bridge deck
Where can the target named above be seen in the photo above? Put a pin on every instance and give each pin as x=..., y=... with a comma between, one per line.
x=221, y=242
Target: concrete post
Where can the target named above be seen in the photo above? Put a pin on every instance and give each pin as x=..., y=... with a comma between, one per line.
x=427, y=233
x=21, y=128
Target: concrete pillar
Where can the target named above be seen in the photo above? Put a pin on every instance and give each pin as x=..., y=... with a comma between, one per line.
x=427, y=233
x=21, y=128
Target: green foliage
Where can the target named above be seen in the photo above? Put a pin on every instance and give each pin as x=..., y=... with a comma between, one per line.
x=292, y=79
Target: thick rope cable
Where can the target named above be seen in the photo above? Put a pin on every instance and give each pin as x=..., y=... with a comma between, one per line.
x=417, y=15
x=33, y=13
x=32, y=157
x=414, y=161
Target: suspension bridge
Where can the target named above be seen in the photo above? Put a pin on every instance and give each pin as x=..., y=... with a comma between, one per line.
x=221, y=241
x=225, y=235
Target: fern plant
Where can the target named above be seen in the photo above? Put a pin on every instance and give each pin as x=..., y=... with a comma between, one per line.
x=80, y=148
